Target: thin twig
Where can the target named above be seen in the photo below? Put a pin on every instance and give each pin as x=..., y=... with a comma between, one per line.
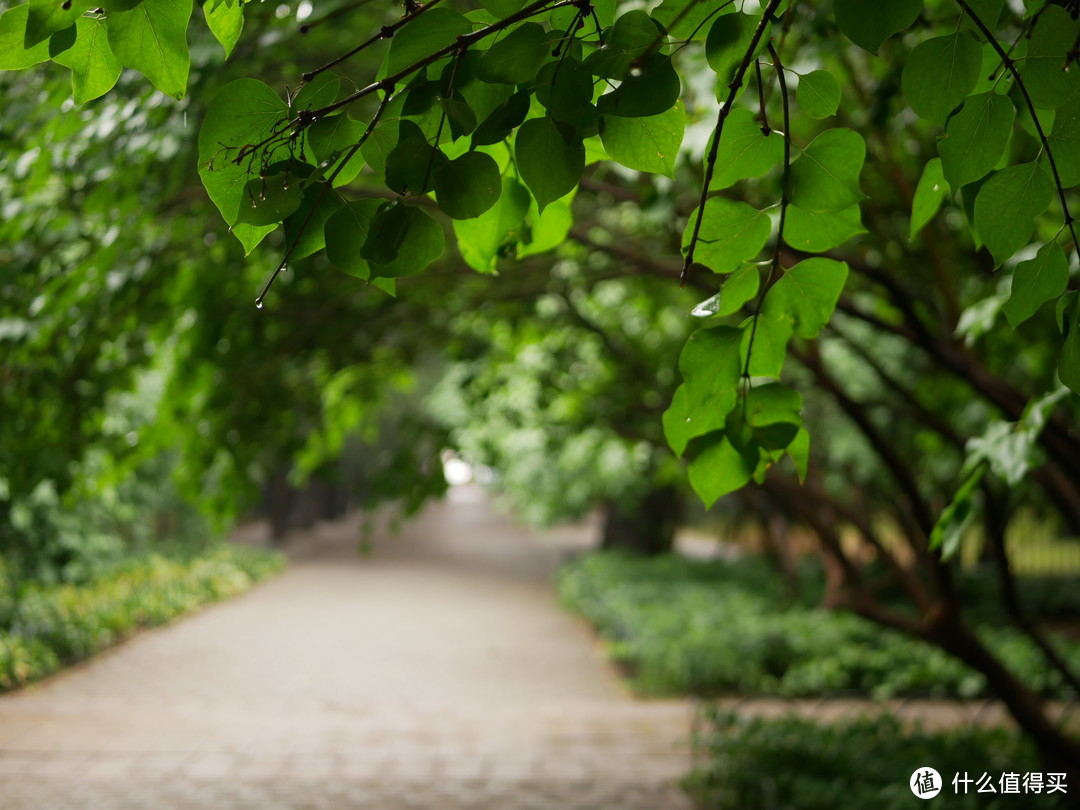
x=331, y=15
x=463, y=41
x=721, y=117
x=327, y=185
x=1011, y=65
x=774, y=265
x=386, y=32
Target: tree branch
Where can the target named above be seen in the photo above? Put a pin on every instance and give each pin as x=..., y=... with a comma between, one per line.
x=326, y=186
x=1010, y=64
x=721, y=117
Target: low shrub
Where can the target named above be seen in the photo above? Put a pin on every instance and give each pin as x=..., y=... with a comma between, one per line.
x=791, y=763
x=707, y=628
x=45, y=627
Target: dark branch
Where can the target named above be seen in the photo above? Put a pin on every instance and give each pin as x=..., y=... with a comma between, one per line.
x=721, y=117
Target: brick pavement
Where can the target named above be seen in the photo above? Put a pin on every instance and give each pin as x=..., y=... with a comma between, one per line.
x=437, y=672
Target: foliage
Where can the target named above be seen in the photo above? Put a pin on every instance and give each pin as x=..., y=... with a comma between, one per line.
x=706, y=628
x=516, y=99
x=45, y=627
x=798, y=764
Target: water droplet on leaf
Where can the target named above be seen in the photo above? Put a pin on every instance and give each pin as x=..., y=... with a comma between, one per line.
x=707, y=308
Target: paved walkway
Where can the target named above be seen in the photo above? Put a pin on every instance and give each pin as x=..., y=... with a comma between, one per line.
x=438, y=672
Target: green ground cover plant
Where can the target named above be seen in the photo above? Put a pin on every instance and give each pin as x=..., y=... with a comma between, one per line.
x=798, y=764
x=716, y=627
x=43, y=627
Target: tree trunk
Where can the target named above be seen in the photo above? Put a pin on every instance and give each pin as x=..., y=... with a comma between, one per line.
x=647, y=528
x=1058, y=751
x=279, y=504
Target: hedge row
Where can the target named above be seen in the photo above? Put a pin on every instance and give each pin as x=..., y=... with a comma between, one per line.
x=791, y=763
x=682, y=626
x=43, y=628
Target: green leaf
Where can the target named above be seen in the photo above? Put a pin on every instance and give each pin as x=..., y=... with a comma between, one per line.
x=818, y=94
x=549, y=163
x=739, y=287
x=1006, y=206
x=459, y=115
x=250, y=235
x=517, y=57
x=320, y=92
x=772, y=403
x=630, y=37
x=807, y=294
x=152, y=38
x=744, y=151
x=434, y=29
x=46, y=17
x=503, y=120
x=728, y=40
x=244, y=112
x=62, y=41
x=721, y=468
x=481, y=240
x=1064, y=138
x=818, y=231
x=420, y=241
x=225, y=21
x=710, y=365
x=332, y=134
x=94, y=69
x=731, y=233
x=1062, y=309
x=482, y=98
x=1069, y=359
x=13, y=54
x=379, y=144
x=684, y=18
x=736, y=290
x=116, y=5
x=548, y=229
x=1035, y=282
x=346, y=232
x=652, y=91
x=565, y=88
x=648, y=144
x=975, y=138
x=386, y=232
x=799, y=453
x=325, y=203
x=870, y=24
x=929, y=194
x=826, y=176
x=413, y=162
x=271, y=198
x=771, y=334
x=940, y=72
x=467, y=186
x=949, y=529
x=1050, y=42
